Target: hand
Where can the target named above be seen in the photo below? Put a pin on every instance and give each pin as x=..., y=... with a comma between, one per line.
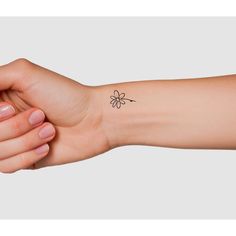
x=67, y=104
x=23, y=137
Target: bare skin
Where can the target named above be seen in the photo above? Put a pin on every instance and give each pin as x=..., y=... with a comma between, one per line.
x=189, y=113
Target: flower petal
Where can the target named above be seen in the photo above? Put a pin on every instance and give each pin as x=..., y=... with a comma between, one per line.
x=118, y=104
x=114, y=103
x=122, y=95
x=116, y=93
x=112, y=97
x=122, y=102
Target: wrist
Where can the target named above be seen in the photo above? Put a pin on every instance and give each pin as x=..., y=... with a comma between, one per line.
x=130, y=122
x=116, y=122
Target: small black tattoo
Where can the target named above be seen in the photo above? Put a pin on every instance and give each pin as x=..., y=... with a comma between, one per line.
x=118, y=99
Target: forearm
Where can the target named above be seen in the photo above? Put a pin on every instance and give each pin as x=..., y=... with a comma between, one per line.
x=189, y=113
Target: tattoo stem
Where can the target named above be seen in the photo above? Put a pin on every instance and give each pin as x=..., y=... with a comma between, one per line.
x=129, y=99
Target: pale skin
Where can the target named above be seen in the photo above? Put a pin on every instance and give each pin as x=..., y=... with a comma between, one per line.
x=82, y=123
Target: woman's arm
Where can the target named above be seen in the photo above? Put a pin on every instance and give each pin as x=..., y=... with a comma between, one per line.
x=184, y=113
x=88, y=120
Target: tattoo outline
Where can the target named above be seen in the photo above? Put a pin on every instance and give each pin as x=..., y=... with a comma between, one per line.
x=118, y=99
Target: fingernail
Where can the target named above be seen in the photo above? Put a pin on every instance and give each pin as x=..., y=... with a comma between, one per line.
x=42, y=149
x=6, y=110
x=36, y=117
x=47, y=131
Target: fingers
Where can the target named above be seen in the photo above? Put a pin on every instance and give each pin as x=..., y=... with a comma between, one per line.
x=34, y=138
x=20, y=123
x=23, y=160
x=6, y=111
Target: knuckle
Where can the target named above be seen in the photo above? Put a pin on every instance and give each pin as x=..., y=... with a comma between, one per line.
x=22, y=66
x=27, y=143
x=22, y=62
x=16, y=127
x=30, y=140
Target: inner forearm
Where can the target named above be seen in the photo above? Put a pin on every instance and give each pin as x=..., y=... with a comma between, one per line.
x=189, y=113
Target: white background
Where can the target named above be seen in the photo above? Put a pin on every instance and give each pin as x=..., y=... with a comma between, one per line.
x=135, y=181
x=125, y=7
x=147, y=7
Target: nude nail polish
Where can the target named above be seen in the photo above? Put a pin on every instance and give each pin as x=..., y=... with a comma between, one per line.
x=36, y=117
x=6, y=110
x=42, y=149
x=47, y=131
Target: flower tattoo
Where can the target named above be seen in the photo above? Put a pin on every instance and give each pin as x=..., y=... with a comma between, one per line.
x=118, y=99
